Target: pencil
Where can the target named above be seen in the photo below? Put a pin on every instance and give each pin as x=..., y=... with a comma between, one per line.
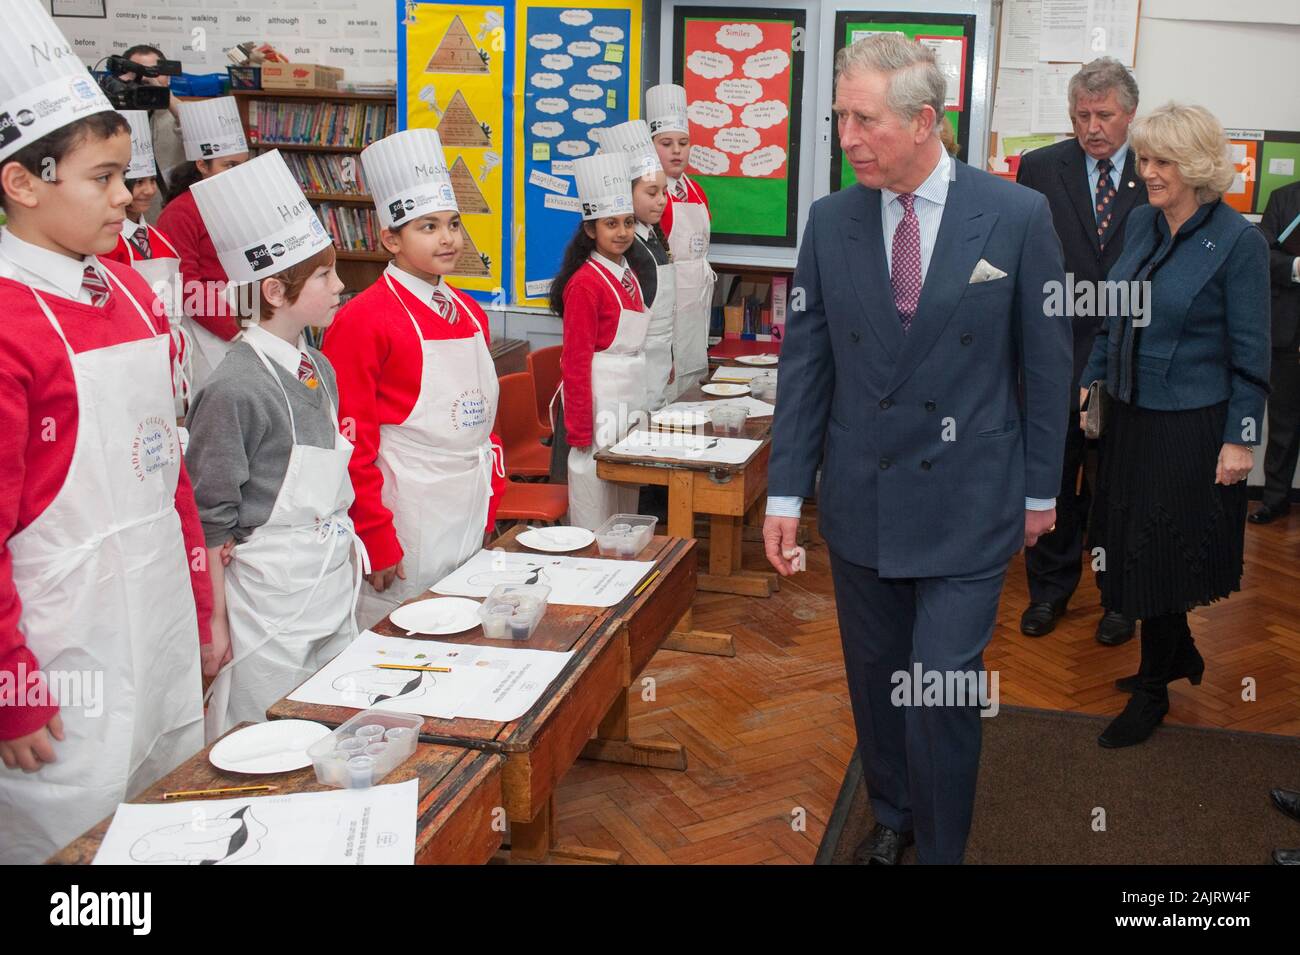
x=228, y=791
x=645, y=583
x=399, y=666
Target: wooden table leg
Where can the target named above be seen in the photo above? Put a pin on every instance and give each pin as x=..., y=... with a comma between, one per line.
x=612, y=743
x=535, y=842
x=725, y=575
x=681, y=523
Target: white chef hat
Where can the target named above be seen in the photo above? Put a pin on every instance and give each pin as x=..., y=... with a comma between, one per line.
x=258, y=218
x=633, y=140
x=603, y=185
x=43, y=86
x=143, y=164
x=408, y=176
x=665, y=108
x=211, y=128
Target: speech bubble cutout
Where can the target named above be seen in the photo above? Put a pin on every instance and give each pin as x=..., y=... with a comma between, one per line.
x=708, y=114
x=548, y=130
x=557, y=61
x=546, y=41
x=738, y=92
x=739, y=36
x=575, y=18
x=546, y=81
x=736, y=140
x=552, y=104
x=708, y=161
x=765, y=65
x=574, y=147
x=764, y=115
x=607, y=34
x=594, y=136
x=709, y=64
x=585, y=91
x=589, y=115
x=763, y=162
x=604, y=72
x=584, y=48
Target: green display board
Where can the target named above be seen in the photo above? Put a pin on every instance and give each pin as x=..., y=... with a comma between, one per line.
x=743, y=76
x=938, y=25
x=1279, y=164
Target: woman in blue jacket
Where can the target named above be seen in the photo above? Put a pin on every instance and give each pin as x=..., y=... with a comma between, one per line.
x=1186, y=368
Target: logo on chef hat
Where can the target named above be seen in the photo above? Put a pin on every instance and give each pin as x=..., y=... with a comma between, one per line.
x=259, y=257
x=84, y=90
x=9, y=131
x=207, y=148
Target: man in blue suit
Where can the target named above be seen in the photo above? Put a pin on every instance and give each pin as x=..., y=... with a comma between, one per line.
x=923, y=370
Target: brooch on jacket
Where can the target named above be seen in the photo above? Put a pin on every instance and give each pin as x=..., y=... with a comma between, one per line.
x=1208, y=244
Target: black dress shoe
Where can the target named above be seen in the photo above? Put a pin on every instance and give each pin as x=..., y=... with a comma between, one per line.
x=883, y=846
x=1141, y=716
x=1039, y=619
x=1288, y=801
x=1114, y=629
x=1190, y=666
x=1286, y=856
x=1268, y=513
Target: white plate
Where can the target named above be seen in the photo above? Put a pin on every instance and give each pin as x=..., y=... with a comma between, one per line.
x=680, y=419
x=758, y=359
x=437, y=616
x=724, y=389
x=557, y=540
x=276, y=746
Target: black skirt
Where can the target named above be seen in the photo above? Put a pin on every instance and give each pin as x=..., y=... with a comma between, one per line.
x=1172, y=538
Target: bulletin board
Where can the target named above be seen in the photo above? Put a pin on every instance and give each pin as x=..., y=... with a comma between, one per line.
x=951, y=36
x=1265, y=160
x=453, y=66
x=743, y=76
x=578, y=69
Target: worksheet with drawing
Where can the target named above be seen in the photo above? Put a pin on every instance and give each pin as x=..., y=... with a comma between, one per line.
x=576, y=581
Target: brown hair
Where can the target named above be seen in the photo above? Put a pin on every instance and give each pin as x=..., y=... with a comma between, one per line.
x=55, y=145
x=295, y=277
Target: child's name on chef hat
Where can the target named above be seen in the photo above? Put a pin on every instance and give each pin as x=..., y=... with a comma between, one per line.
x=633, y=140
x=604, y=188
x=211, y=128
x=408, y=177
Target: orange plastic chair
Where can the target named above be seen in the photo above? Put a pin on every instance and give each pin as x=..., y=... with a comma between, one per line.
x=544, y=366
x=516, y=424
x=533, y=503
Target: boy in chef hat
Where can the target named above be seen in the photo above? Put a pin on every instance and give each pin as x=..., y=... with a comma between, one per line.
x=417, y=380
x=96, y=512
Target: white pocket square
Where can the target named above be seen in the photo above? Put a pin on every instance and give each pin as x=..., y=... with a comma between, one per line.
x=985, y=272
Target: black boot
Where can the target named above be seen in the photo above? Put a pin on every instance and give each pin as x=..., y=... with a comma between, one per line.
x=1161, y=639
x=1188, y=665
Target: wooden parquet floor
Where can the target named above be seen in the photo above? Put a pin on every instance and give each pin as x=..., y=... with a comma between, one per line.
x=769, y=732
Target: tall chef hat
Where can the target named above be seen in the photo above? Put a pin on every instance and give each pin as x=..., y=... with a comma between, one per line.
x=211, y=128
x=604, y=188
x=632, y=139
x=665, y=107
x=408, y=176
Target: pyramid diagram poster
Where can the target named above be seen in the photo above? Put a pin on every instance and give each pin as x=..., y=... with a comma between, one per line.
x=457, y=53
x=468, y=195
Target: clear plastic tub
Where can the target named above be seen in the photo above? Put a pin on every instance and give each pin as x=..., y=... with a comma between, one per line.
x=349, y=761
x=625, y=535
x=513, y=611
x=763, y=387
x=728, y=421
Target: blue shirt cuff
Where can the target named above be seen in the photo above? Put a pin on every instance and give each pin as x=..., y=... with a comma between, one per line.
x=784, y=506
x=1040, y=503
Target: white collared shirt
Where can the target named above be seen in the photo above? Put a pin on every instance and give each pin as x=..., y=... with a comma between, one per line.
x=616, y=269
x=1116, y=170
x=672, y=186
x=130, y=228
x=276, y=348
x=423, y=290
x=642, y=229
x=44, y=270
x=931, y=195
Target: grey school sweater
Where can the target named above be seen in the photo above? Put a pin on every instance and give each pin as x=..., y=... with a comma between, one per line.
x=240, y=439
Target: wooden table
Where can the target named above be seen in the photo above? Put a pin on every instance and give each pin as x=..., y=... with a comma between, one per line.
x=457, y=823
x=509, y=355
x=584, y=712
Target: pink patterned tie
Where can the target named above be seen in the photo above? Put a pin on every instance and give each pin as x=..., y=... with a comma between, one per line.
x=905, y=265
x=95, y=284
x=140, y=239
x=443, y=307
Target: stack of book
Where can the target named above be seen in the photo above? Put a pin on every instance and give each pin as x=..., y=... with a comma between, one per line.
x=319, y=124
x=353, y=228
x=328, y=172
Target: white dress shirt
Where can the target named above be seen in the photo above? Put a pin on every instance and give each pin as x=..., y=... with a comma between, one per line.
x=288, y=357
x=423, y=290
x=616, y=269
x=1116, y=172
x=44, y=270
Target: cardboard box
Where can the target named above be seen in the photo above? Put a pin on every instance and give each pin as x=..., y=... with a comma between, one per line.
x=300, y=76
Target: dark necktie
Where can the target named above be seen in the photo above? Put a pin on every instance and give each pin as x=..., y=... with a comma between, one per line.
x=905, y=263
x=1104, y=201
x=140, y=239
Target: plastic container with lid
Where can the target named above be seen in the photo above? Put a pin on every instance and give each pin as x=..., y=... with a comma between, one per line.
x=763, y=387
x=728, y=420
x=350, y=760
x=513, y=611
x=625, y=535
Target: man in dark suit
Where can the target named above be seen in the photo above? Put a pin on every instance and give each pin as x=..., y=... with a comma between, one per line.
x=922, y=369
x=1284, y=400
x=1091, y=184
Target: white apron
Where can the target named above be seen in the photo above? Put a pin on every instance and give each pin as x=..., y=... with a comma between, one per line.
x=291, y=587
x=618, y=395
x=689, y=243
x=106, y=593
x=163, y=273
x=659, y=336
x=437, y=465
x=208, y=350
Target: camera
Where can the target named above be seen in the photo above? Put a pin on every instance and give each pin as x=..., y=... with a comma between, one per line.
x=134, y=94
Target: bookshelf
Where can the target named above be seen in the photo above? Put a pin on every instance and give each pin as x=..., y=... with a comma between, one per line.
x=299, y=124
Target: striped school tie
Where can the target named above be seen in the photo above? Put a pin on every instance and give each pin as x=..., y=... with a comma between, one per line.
x=140, y=239
x=306, y=372
x=628, y=285
x=96, y=285
x=681, y=189
x=444, y=308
